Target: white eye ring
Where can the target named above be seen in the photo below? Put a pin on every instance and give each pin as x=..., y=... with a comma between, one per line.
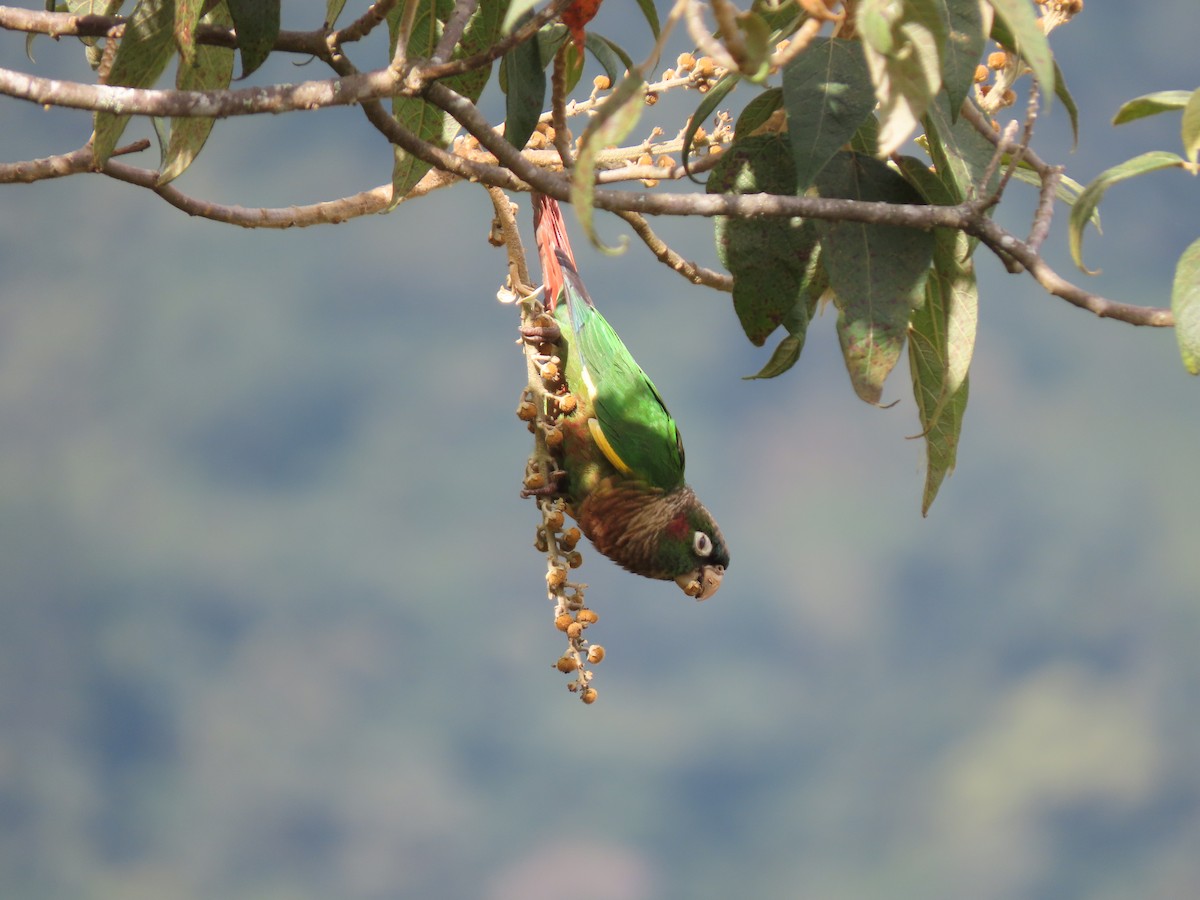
x=702, y=544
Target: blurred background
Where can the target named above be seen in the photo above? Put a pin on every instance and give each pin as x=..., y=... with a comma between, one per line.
x=272, y=626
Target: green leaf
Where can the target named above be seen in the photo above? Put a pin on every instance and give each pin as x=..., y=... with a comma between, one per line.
x=1081, y=212
x=1185, y=304
x=1068, y=101
x=614, y=119
x=876, y=272
x=964, y=47
x=612, y=58
x=772, y=259
x=718, y=92
x=940, y=411
x=1016, y=27
x=422, y=118
x=333, y=9
x=257, y=25
x=211, y=68
x=187, y=16
x=757, y=112
x=907, y=75
x=960, y=152
x=1151, y=105
x=827, y=92
x=523, y=77
x=516, y=10
x=1191, y=127
x=651, y=14
x=141, y=56
x=782, y=358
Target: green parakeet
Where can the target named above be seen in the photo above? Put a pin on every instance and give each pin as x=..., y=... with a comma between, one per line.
x=621, y=449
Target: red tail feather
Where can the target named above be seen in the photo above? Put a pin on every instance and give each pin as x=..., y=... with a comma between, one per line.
x=551, y=234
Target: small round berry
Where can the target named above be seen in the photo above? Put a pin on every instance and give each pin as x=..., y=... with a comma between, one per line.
x=567, y=403
x=550, y=371
x=535, y=480
x=997, y=60
x=602, y=82
x=589, y=695
x=563, y=621
x=556, y=577
x=651, y=98
x=554, y=438
x=981, y=74
x=569, y=538
x=526, y=412
x=540, y=543
x=574, y=559
x=705, y=67
x=685, y=62
x=595, y=653
x=554, y=519
x=574, y=631
x=587, y=616
x=566, y=664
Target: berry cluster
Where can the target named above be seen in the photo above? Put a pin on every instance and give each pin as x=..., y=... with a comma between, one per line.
x=545, y=400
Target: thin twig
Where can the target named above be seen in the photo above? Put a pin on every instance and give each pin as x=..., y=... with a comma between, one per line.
x=558, y=111
x=510, y=234
x=73, y=163
x=453, y=32
x=693, y=272
x=329, y=212
x=408, y=15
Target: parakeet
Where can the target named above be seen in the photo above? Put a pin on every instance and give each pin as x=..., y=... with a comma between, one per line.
x=621, y=449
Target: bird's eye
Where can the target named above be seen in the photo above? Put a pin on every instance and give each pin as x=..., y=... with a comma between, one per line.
x=702, y=544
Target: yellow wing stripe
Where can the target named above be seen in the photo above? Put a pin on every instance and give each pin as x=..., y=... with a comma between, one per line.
x=606, y=448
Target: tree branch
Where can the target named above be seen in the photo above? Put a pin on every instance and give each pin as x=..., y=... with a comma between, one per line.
x=73, y=163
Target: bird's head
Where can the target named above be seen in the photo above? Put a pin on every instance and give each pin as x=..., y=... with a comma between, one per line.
x=698, y=551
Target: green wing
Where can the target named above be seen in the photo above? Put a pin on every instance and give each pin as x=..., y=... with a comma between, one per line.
x=631, y=423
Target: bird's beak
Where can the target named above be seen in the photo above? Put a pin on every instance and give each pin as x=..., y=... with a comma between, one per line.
x=701, y=583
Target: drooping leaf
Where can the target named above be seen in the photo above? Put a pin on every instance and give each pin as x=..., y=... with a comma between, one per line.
x=416, y=114
x=757, y=112
x=257, y=25
x=1016, y=27
x=1068, y=101
x=612, y=58
x=614, y=119
x=1067, y=189
x=876, y=272
x=1185, y=304
x=1151, y=105
x=211, y=68
x=959, y=151
x=827, y=93
x=717, y=93
x=1190, y=127
x=772, y=259
x=651, y=13
x=143, y=53
x=940, y=409
x=333, y=9
x=905, y=67
x=523, y=78
x=1081, y=212
x=964, y=46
